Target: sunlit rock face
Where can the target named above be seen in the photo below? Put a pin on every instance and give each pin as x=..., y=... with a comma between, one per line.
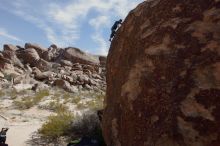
x=163, y=76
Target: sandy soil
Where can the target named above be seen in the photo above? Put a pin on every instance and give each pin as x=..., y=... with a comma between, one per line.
x=18, y=135
x=22, y=124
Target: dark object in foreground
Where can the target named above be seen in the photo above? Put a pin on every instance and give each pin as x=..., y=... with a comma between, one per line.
x=86, y=141
x=3, y=137
x=3, y=144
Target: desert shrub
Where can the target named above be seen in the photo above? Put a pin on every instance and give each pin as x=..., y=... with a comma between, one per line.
x=57, y=107
x=75, y=99
x=85, y=125
x=57, y=125
x=28, y=102
x=40, y=95
x=25, y=103
x=8, y=77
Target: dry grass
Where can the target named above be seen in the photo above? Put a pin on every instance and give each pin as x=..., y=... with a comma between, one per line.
x=57, y=107
x=95, y=102
x=28, y=102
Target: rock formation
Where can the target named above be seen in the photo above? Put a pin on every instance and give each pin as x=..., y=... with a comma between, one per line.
x=68, y=68
x=163, y=76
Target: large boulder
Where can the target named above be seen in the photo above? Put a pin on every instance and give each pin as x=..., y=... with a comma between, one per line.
x=65, y=62
x=163, y=76
x=10, y=54
x=43, y=65
x=4, y=61
x=75, y=55
x=40, y=75
x=40, y=50
x=65, y=85
x=9, y=47
x=29, y=56
x=51, y=54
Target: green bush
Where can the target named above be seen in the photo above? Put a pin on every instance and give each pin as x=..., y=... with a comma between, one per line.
x=57, y=125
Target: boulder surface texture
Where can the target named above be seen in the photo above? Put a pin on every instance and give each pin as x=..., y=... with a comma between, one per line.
x=163, y=76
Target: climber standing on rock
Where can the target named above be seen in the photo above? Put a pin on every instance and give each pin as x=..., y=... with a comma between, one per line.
x=114, y=28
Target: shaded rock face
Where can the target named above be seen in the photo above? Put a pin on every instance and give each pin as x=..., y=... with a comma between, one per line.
x=163, y=76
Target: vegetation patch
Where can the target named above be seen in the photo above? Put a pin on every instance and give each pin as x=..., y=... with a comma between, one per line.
x=57, y=125
x=57, y=107
x=95, y=102
x=28, y=102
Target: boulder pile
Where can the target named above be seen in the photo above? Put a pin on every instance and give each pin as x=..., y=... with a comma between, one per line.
x=67, y=68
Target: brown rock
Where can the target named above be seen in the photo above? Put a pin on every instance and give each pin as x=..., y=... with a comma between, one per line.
x=28, y=56
x=10, y=54
x=42, y=64
x=40, y=75
x=65, y=62
x=40, y=50
x=102, y=60
x=51, y=53
x=65, y=85
x=4, y=61
x=75, y=55
x=9, y=47
x=163, y=76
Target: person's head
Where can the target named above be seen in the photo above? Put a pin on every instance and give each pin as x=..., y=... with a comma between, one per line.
x=120, y=20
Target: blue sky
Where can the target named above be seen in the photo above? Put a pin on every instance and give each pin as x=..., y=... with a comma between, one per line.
x=79, y=23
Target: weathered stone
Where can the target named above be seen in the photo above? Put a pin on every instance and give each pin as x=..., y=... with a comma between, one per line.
x=1, y=75
x=51, y=54
x=22, y=87
x=42, y=64
x=40, y=50
x=102, y=60
x=29, y=56
x=10, y=54
x=87, y=87
x=65, y=85
x=9, y=47
x=163, y=76
x=42, y=75
x=77, y=56
x=10, y=73
x=65, y=62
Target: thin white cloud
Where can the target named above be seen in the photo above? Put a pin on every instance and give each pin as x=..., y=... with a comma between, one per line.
x=103, y=45
x=4, y=33
x=100, y=21
x=62, y=21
